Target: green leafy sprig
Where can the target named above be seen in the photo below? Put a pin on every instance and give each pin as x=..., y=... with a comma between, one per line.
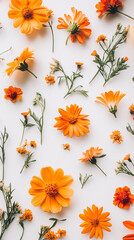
x=28, y=161
x=129, y=129
x=124, y=168
x=25, y=124
x=3, y=139
x=83, y=180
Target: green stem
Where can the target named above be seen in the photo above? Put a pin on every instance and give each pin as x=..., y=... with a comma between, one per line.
x=94, y=76
x=125, y=14
x=50, y=25
x=6, y=51
x=31, y=72
x=67, y=39
x=22, y=135
x=3, y=171
x=22, y=168
x=100, y=169
x=22, y=232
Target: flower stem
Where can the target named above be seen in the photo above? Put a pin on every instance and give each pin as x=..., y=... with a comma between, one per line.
x=31, y=72
x=22, y=168
x=125, y=14
x=6, y=51
x=94, y=76
x=50, y=25
x=100, y=169
x=67, y=39
x=22, y=136
x=22, y=232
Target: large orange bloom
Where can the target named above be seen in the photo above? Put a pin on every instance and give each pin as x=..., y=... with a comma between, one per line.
x=51, y=191
x=13, y=94
x=111, y=100
x=72, y=122
x=129, y=225
x=76, y=26
x=91, y=153
x=123, y=197
x=108, y=6
x=95, y=221
x=28, y=14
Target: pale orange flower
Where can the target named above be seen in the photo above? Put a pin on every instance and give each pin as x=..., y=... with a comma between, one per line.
x=27, y=215
x=95, y=221
x=101, y=38
x=111, y=100
x=129, y=225
x=91, y=153
x=13, y=93
x=108, y=6
x=51, y=191
x=123, y=197
x=94, y=53
x=76, y=26
x=116, y=136
x=72, y=122
x=50, y=79
x=66, y=146
x=28, y=15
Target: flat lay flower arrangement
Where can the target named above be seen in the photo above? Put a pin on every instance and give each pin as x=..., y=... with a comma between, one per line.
x=67, y=119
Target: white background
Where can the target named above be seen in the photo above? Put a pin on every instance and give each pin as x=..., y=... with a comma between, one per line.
x=100, y=189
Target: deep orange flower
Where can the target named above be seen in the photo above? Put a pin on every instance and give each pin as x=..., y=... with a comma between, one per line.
x=76, y=26
x=13, y=93
x=72, y=122
x=27, y=215
x=125, y=59
x=50, y=79
x=111, y=100
x=50, y=235
x=108, y=6
x=92, y=152
x=61, y=233
x=25, y=114
x=101, y=38
x=123, y=197
x=116, y=136
x=51, y=191
x=94, y=53
x=127, y=157
x=33, y=144
x=129, y=225
x=131, y=108
x=79, y=63
x=66, y=146
x=28, y=14
x=95, y=222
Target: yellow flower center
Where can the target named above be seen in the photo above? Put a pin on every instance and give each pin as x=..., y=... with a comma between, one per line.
x=51, y=189
x=72, y=120
x=27, y=13
x=95, y=222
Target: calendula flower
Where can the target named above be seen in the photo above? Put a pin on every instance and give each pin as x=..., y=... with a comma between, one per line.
x=61, y=233
x=94, y=53
x=27, y=214
x=13, y=94
x=20, y=63
x=123, y=197
x=50, y=79
x=72, y=122
x=131, y=108
x=116, y=136
x=51, y=191
x=28, y=15
x=77, y=26
x=91, y=155
x=129, y=225
x=66, y=146
x=110, y=100
x=50, y=235
x=33, y=144
x=95, y=221
x=101, y=38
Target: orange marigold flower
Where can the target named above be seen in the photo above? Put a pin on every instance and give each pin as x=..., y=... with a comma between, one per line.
x=108, y=6
x=125, y=59
x=50, y=235
x=91, y=153
x=61, y=233
x=123, y=197
x=95, y=222
x=129, y=225
x=25, y=114
x=101, y=38
x=66, y=146
x=28, y=15
x=50, y=79
x=76, y=26
x=94, y=53
x=131, y=108
x=127, y=157
x=116, y=136
x=33, y=144
x=111, y=100
x=13, y=93
x=20, y=61
x=72, y=122
x=27, y=215
x=22, y=150
x=51, y=191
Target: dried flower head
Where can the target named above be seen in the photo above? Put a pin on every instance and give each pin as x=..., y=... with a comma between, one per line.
x=61, y=233
x=51, y=235
x=13, y=94
x=27, y=214
x=123, y=197
x=66, y=146
x=33, y=144
x=116, y=136
x=50, y=79
x=101, y=38
x=54, y=66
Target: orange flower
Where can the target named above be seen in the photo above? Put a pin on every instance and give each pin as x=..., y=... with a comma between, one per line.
x=66, y=146
x=27, y=215
x=50, y=79
x=50, y=235
x=101, y=38
x=91, y=153
x=111, y=100
x=72, y=122
x=20, y=63
x=52, y=191
x=129, y=225
x=13, y=93
x=79, y=65
x=61, y=233
x=108, y=6
x=33, y=144
x=95, y=222
x=125, y=59
x=127, y=157
x=25, y=114
x=94, y=53
x=131, y=108
x=76, y=26
x=116, y=136
x=123, y=197
x=28, y=14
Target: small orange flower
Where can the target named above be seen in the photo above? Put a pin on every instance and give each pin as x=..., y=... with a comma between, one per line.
x=116, y=136
x=123, y=197
x=25, y=114
x=125, y=59
x=50, y=235
x=95, y=222
x=91, y=153
x=108, y=6
x=33, y=144
x=61, y=233
x=66, y=146
x=94, y=53
x=101, y=38
x=79, y=64
x=72, y=122
x=50, y=79
x=111, y=100
x=76, y=26
x=131, y=108
x=127, y=157
x=22, y=150
x=13, y=93
x=129, y=225
x=27, y=215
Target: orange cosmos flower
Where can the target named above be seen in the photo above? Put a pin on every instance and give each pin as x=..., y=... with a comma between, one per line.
x=72, y=122
x=66, y=146
x=123, y=197
x=13, y=93
x=108, y=6
x=28, y=14
x=111, y=100
x=129, y=225
x=51, y=191
x=101, y=38
x=116, y=136
x=76, y=26
x=50, y=79
x=27, y=215
x=95, y=222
